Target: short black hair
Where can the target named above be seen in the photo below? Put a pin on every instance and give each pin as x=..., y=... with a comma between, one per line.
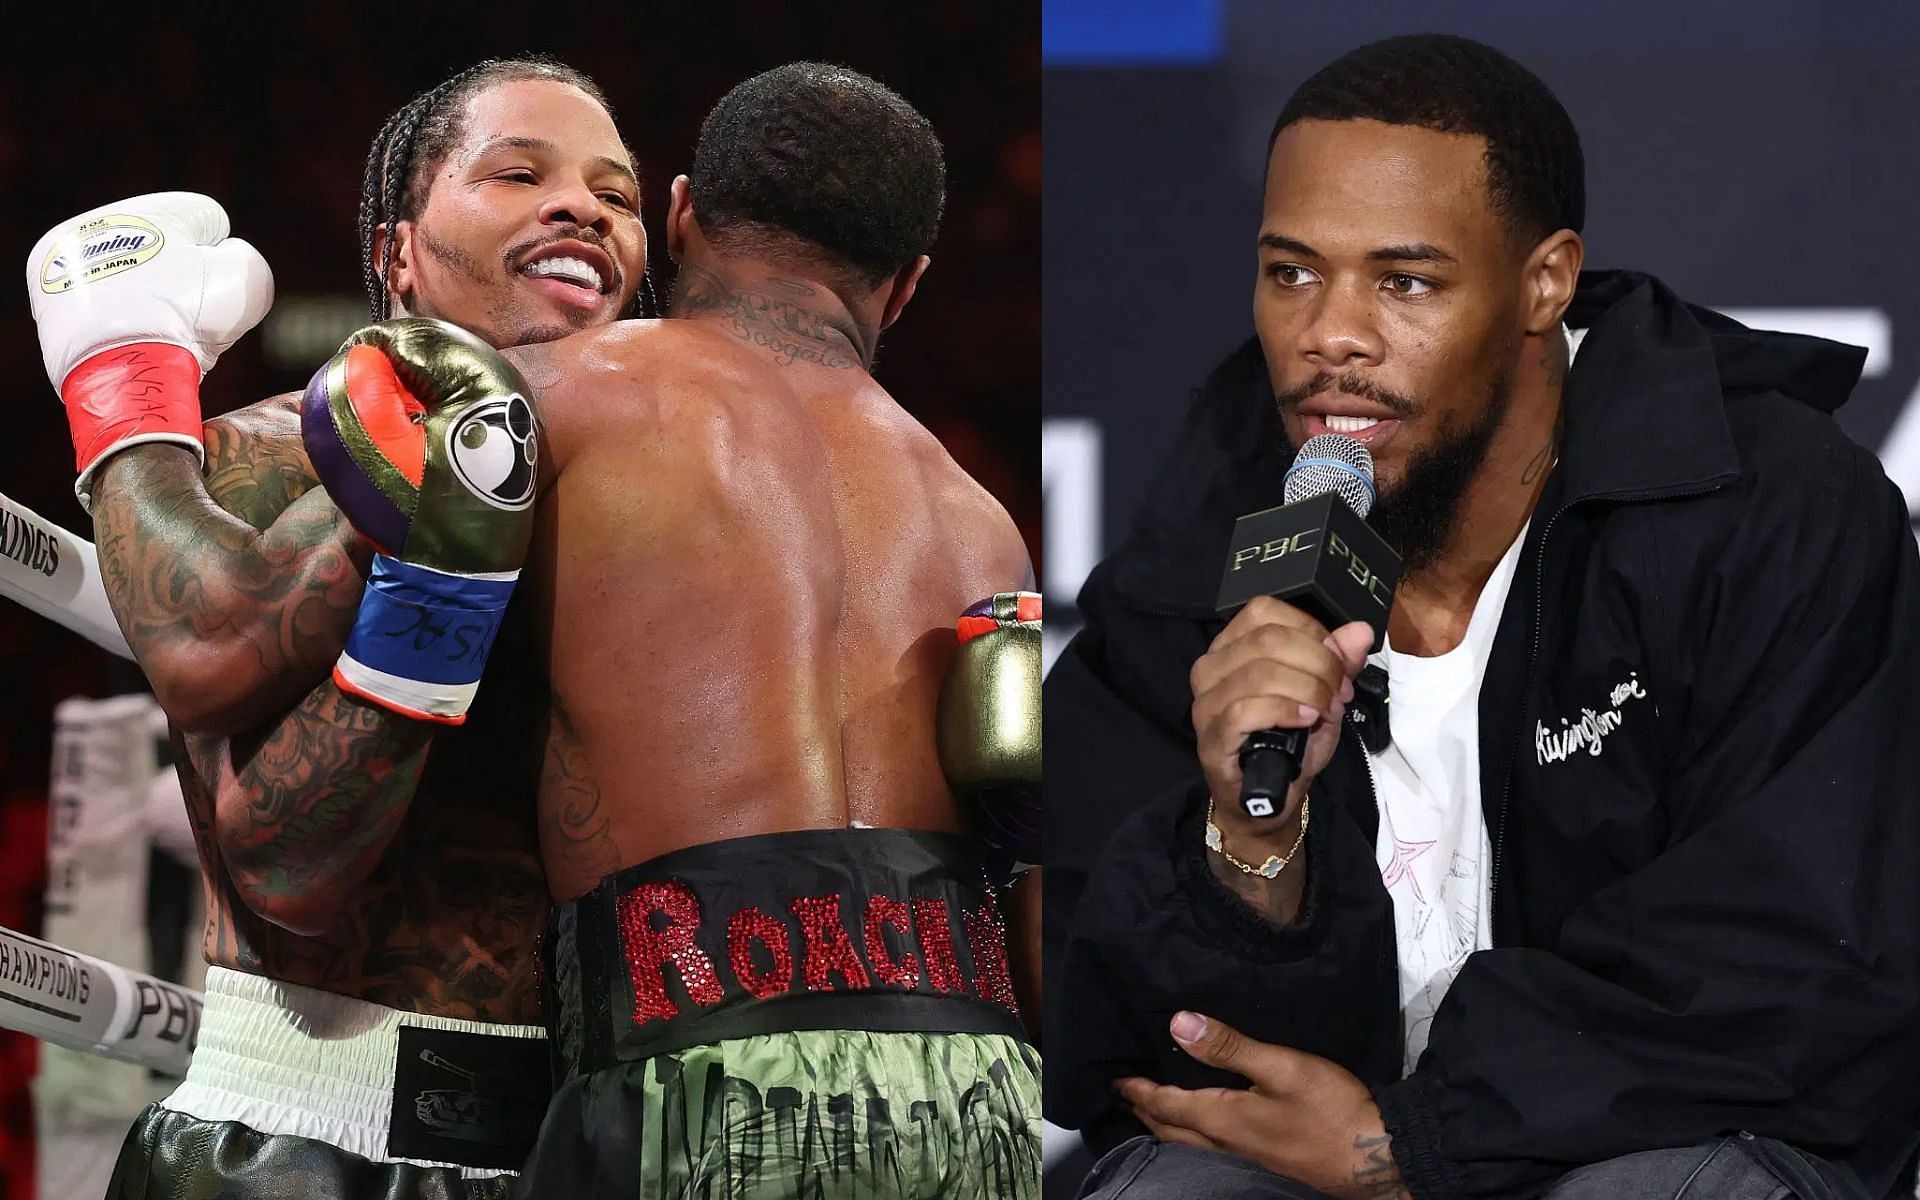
x=414, y=140
x=826, y=155
x=1535, y=171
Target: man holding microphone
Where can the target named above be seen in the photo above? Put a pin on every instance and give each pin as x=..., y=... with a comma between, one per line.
x=1620, y=898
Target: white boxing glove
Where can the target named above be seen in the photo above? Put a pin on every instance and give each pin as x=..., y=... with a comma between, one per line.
x=135, y=301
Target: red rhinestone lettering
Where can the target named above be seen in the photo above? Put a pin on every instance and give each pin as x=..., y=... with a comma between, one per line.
x=936, y=942
x=905, y=974
x=649, y=950
x=988, y=937
x=746, y=927
x=829, y=948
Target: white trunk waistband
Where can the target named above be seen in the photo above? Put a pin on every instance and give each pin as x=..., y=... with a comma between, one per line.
x=283, y=1059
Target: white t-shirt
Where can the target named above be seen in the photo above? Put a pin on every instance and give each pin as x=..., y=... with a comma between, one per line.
x=1432, y=848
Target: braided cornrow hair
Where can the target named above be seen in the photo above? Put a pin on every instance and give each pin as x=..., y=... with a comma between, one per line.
x=416, y=137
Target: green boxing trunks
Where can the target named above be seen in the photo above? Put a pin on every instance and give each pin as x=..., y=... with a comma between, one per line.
x=820, y=1014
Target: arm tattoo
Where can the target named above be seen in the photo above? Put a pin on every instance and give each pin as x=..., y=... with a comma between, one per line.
x=313, y=811
x=255, y=478
x=311, y=805
x=445, y=921
x=1377, y=1177
x=784, y=324
x=254, y=568
x=236, y=612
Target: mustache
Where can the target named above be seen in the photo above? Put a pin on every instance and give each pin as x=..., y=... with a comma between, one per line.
x=515, y=253
x=1346, y=385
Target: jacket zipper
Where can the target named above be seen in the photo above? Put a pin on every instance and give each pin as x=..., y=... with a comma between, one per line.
x=1533, y=656
x=1373, y=784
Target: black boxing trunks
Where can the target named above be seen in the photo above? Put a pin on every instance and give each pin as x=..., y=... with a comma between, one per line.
x=822, y=1014
x=298, y=1092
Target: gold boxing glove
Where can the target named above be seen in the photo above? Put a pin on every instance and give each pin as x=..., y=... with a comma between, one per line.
x=989, y=727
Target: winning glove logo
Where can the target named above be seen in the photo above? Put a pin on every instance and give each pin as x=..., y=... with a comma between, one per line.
x=103, y=247
x=493, y=450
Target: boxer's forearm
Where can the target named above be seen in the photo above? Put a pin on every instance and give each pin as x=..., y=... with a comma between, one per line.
x=304, y=813
x=228, y=621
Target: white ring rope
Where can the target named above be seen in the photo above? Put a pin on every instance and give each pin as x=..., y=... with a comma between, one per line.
x=87, y=1003
x=56, y=574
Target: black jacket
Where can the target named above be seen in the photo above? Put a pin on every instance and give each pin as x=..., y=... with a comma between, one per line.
x=1709, y=925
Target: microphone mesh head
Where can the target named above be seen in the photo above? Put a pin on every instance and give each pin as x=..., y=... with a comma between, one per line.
x=1332, y=463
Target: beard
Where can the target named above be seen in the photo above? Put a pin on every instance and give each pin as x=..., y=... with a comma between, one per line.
x=1417, y=515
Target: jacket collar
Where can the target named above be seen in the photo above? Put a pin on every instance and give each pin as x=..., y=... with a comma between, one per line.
x=1645, y=413
x=1643, y=406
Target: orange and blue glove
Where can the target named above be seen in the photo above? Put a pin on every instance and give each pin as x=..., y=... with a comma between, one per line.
x=427, y=440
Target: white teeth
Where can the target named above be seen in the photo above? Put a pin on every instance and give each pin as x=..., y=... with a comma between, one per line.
x=573, y=270
x=1340, y=424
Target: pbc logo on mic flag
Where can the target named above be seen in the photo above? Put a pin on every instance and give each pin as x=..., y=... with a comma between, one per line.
x=100, y=248
x=1317, y=555
x=494, y=451
x=1371, y=582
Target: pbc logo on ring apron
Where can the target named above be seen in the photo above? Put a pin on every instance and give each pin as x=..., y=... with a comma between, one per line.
x=494, y=451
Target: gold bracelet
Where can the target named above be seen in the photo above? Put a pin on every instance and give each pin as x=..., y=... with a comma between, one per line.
x=1271, y=868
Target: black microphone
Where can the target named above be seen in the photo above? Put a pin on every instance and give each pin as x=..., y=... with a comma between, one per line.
x=1318, y=554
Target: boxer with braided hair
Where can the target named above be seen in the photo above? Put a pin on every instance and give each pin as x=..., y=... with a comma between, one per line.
x=424, y=130
x=374, y=888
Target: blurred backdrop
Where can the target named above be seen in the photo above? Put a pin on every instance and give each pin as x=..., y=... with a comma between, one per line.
x=1758, y=156
x=274, y=121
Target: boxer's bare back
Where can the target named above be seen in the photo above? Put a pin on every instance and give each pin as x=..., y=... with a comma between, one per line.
x=749, y=563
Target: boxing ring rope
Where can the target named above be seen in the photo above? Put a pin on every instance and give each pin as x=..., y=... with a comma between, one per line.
x=46, y=991
x=55, y=573
x=89, y=1004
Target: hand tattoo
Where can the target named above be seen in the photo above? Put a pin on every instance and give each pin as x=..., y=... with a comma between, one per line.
x=1378, y=1176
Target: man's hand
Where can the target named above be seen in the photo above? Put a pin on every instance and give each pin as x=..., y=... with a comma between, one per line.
x=1305, y=1118
x=1272, y=667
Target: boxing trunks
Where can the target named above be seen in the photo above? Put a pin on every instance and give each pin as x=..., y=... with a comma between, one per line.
x=297, y=1092
x=821, y=1014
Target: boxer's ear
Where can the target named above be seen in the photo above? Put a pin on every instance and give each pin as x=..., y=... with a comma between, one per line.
x=400, y=272
x=679, y=216
x=905, y=280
